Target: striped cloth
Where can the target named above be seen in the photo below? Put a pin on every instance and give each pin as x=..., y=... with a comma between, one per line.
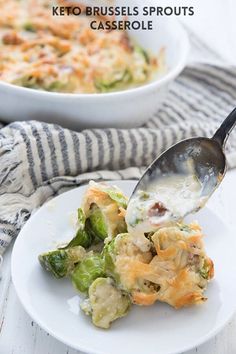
x=38, y=160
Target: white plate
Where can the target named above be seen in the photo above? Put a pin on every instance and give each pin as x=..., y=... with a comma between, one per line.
x=54, y=304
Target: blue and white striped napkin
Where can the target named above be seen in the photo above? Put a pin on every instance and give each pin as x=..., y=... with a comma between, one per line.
x=38, y=160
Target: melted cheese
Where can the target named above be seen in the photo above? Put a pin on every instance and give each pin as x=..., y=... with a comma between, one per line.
x=63, y=53
x=172, y=275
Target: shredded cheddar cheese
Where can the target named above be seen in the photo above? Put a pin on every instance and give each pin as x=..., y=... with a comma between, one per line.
x=63, y=54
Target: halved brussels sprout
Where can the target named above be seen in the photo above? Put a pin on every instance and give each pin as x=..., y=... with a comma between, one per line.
x=61, y=262
x=104, y=208
x=106, y=303
x=109, y=253
x=84, y=237
x=118, y=197
x=121, y=78
x=86, y=272
x=97, y=223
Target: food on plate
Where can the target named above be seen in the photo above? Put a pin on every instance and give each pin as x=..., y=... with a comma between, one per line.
x=163, y=203
x=83, y=237
x=63, y=53
x=175, y=269
x=105, y=206
x=102, y=215
x=106, y=302
x=114, y=270
x=61, y=262
x=87, y=271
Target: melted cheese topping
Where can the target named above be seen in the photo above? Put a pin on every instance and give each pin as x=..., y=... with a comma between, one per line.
x=63, y=54
x=177, y=274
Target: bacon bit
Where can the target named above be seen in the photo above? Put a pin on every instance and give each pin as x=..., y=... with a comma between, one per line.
x=193, y=259
x=12, y=38
x=154, y=61
x=125, y=42
x=158, y=209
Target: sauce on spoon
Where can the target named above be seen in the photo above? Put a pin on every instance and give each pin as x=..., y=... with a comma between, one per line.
x=162, y=204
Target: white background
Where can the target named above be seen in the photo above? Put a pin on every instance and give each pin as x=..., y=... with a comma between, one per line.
x=214, y=22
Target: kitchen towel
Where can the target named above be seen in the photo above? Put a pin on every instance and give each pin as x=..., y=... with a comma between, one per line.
x=39, y=161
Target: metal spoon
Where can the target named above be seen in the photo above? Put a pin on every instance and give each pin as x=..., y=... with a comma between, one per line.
x=202, y=157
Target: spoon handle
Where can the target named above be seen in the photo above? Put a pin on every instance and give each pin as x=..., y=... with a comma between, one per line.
x=221, y=135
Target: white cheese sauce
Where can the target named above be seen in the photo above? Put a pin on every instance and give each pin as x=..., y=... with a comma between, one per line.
x=168, y=201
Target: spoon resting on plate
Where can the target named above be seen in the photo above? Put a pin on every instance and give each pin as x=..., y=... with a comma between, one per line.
x=179, y=181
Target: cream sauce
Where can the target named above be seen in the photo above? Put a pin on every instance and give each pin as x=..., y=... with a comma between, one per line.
x=161, y=204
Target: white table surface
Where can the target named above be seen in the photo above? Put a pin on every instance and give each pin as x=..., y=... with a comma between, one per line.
x=20, y=335
x=213, y=23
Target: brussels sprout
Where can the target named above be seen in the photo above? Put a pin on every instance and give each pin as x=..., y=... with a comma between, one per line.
x=106, y=303
x=104, y=207
x=108, y=254
x=97, y=222
x=106, y=86
x=83, y=236
x=115, y=194
x=118, y=197
x=86, y=272
x=112, y=249
x=143, y=52
x=28, y=26
x=27, y=81
x=62, y=262
x=56, y=86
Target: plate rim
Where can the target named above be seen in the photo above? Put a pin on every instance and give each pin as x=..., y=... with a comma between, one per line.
x=81, y=347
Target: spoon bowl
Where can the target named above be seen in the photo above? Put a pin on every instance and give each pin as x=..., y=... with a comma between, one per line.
x=203, y=158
